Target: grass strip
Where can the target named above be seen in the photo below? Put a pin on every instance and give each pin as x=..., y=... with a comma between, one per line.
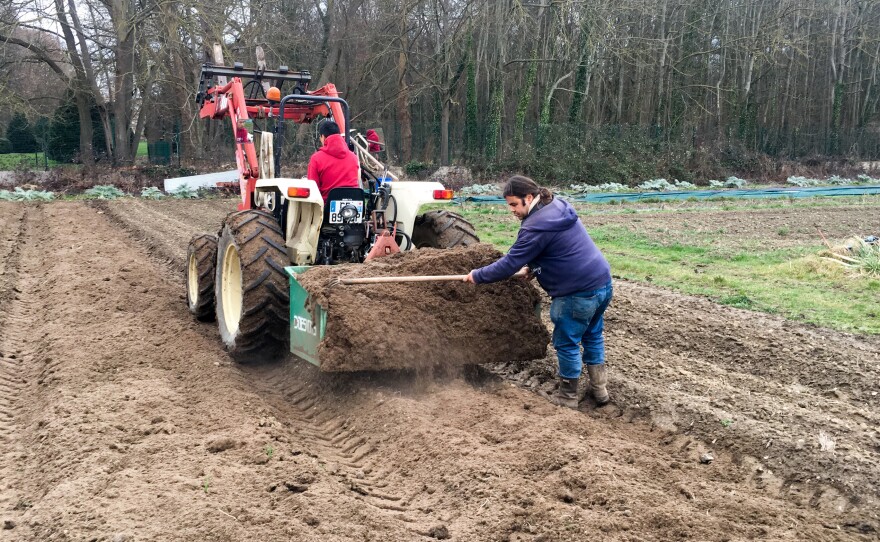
x=18, y=160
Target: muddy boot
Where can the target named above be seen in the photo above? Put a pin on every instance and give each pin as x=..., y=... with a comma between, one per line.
x=566, y=394
x=598, y=381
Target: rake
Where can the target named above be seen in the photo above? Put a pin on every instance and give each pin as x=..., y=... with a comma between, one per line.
x=410, y=278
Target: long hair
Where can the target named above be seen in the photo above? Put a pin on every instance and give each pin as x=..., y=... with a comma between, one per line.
x=520, y=186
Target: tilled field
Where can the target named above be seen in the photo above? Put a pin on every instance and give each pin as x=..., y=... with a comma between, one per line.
x=767, y=228
x=121, y=418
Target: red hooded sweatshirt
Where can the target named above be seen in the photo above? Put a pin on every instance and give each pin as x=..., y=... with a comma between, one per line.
x=334, y=166
x=373, y=138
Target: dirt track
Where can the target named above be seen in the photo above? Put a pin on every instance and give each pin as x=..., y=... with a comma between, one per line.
x=122, y=418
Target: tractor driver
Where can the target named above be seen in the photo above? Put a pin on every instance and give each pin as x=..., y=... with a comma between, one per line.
x=333, y=165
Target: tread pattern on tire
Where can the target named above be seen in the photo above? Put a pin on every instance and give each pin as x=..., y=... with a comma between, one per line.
x=204, y=247
x=263, y=330
x=443, y=229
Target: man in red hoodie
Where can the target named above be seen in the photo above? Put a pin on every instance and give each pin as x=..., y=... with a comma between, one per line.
x=373, y=139
x=333, y=165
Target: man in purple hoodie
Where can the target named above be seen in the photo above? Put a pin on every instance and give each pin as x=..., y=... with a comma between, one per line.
x=559, y=252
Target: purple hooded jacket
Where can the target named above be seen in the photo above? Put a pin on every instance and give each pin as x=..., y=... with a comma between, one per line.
x=554, y=243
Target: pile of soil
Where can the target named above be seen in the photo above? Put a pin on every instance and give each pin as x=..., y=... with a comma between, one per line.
x=425, y=324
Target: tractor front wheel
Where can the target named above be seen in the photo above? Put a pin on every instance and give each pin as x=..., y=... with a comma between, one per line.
x=251, y=287
x=200, y=257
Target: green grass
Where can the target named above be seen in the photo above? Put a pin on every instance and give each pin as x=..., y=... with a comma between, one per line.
x=494, y=224
x=792, y=281
x=13, y=161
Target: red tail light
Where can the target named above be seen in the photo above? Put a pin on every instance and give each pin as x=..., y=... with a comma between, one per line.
x=298, y=192
x=443, y=194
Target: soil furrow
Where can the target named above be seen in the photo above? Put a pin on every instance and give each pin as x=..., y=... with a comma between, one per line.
x=134, y=408
x=12, y=224
x=12, y=335
x=164, y=234
x=735, y=396
x=775, y=228
x=337, y=445
x=756, y=345
x=21, y=352
x=789, y=397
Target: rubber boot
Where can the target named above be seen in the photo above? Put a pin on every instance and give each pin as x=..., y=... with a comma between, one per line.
x=566, y=394
x=598, y=381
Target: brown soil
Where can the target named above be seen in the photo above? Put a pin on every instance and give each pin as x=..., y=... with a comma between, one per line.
x=121, y=418
x=425, y=324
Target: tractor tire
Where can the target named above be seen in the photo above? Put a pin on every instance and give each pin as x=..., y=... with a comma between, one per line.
x=443, y=229
x=251, y=287
x=201, y=255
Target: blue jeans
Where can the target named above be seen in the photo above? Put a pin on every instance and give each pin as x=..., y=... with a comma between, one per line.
x=578, y=320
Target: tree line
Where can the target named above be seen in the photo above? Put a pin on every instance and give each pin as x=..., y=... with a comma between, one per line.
x=563, y=88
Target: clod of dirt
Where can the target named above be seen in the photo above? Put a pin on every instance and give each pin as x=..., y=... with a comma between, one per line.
x=220, y=445
x=565, y=496
x=296, y=488
x=440, y=532
x=424, y=324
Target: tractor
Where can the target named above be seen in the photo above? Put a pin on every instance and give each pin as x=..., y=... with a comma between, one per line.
x=245, y=275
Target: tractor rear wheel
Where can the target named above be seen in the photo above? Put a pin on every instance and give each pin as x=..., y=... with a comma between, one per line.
x=443, y=229
x=201, y=254
x=252, y=288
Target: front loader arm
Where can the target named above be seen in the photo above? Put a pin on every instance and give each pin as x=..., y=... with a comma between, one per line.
x=230, y=100
x=335, y=108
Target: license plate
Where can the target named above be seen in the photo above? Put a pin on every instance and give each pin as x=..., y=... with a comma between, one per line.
x=336, y=207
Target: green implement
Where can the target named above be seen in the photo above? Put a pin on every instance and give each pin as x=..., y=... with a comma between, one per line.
x=308, y=321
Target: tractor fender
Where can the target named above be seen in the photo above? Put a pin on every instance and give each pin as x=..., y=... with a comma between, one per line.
x=410, y=196
x=283, y=186
x=303, y=217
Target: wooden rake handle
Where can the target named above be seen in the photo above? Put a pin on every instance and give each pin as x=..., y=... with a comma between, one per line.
x=415, y=278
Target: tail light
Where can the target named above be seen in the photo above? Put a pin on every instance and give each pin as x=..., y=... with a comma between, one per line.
x=298, y=192
x=443, y=194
